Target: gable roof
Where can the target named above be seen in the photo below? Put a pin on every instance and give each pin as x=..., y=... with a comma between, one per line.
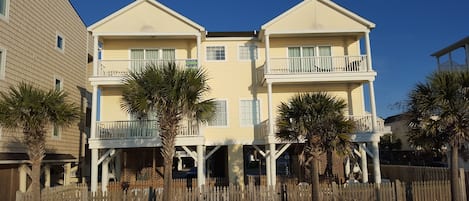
x=327, y=3
x=152, y=2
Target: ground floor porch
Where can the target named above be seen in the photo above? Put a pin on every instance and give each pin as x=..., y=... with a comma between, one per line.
x=231, y=164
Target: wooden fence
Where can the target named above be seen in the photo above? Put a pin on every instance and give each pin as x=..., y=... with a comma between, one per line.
x=414, y=173
x=158, y=183
x=393, y=191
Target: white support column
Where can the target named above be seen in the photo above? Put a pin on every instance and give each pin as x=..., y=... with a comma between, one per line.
x=47, y=176
x=373, y=107
x=375, y=146
x=23, y=177
x=94, y=112
x=267, y=169
x=267, y=53
x=270, y=109
x=67, y=173
x=94, y=152
x=95, y=55
x=271, y=156
x=199, y=53
x=364, y=163
x=376, y=167
x=368, y=51
x=94, y=170
x=105, y=175
x=273, y=165
x=200, y=165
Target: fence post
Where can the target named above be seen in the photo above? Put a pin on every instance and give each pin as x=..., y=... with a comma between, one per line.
x=462, y=184
x=335, y=191
x=400, y=193
x=84, y=193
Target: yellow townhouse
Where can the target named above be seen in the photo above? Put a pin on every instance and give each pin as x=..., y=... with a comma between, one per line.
x=48, y=49
x=314, y=46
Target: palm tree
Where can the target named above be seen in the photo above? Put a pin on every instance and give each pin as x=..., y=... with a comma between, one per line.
x=32, y=110
x=439, y=116
x=172, y=94
x=317, y=118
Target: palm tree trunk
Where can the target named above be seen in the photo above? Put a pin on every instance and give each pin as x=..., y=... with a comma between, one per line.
x=168, y=179
x=454, y=174
x=36, y=152
x=168, y=150
x=35, y=179
x=315, y=179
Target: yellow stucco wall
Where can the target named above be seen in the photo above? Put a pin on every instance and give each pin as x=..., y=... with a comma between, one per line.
x=120, y=49
x=111, y=105
x=234, y=79
x=320, y=17
x=144, y=18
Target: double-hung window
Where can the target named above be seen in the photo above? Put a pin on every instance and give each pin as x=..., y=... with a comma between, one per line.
x=216, y=53
x=248, y=52
x=140, y=58
x=221, y=114
x=303, y=59
x=250, y=112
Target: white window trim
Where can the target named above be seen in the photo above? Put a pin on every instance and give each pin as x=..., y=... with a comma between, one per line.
x=7, y=11
x=57, y=35
x=240, y=110
x=226, y=53
x=248, y=45
x=316, y=49
x=227, y=115
x=3, y=63
x=59, y=132
x=56, y=77
x=160, y=51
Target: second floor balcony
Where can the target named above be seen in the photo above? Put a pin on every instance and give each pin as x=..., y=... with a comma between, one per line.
x=137, y=129
x=363, y=126
x=120, y=68
x=317, y=68
x=140, y=133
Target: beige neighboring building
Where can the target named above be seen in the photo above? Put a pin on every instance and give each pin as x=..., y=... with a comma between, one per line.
x=44, y=43
x=314, y=46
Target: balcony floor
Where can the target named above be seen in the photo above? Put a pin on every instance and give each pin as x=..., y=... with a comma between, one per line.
x=143, y=142
x=323, y=77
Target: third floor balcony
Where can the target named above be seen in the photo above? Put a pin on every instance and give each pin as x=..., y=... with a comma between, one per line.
x=120, y=68
x=317, y=69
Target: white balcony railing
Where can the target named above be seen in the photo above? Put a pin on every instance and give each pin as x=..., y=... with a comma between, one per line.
x=117, y=68
x=317, y=64
x=137, y=129
x=363, y=124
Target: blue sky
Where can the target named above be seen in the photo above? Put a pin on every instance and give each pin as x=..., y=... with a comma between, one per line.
x=406, y=32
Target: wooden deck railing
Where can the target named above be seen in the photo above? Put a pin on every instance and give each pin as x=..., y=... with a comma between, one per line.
x=363, y=124
x=118, y=68
x=137, y=129
x=317, y=64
